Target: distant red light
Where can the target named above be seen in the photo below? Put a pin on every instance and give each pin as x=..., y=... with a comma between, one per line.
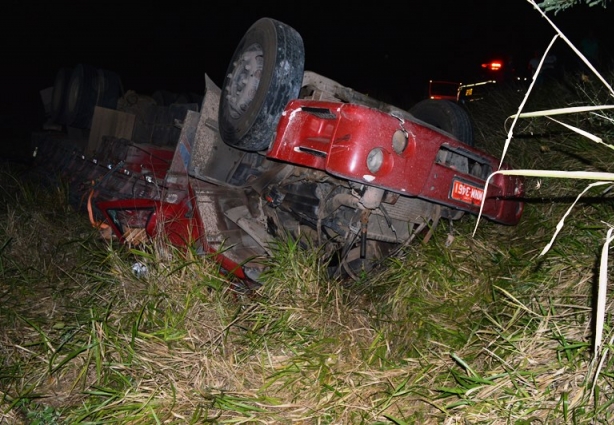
x=493, y=66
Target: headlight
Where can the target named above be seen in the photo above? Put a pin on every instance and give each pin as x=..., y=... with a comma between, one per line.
x=375, y=159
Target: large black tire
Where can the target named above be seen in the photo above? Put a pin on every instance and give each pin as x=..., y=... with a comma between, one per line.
x=265, y=73
x=59, y=96
x=447, y=116
x=90, y=87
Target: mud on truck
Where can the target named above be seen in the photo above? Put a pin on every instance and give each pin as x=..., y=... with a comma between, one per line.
x=280, y=152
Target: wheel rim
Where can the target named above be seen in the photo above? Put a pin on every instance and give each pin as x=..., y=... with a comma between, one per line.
x=245, y=80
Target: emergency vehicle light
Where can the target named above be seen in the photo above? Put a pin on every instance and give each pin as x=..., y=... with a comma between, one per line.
x=493, y=66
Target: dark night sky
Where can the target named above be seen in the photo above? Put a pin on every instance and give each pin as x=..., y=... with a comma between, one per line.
x=389, y=52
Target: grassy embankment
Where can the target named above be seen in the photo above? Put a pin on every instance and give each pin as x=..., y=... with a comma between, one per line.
x=483, y=330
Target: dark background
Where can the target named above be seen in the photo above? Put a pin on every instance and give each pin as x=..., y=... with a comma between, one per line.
x=386, y=49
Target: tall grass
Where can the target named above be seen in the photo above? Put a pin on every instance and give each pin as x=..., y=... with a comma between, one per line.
x=474, y=326
x=463, y=328
x=600, y=113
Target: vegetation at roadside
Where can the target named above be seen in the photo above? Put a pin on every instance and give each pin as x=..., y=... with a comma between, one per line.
x=560, y=5
x=462, y=329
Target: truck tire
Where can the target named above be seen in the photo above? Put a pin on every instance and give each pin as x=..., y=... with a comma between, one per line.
x=447, y=116
x=265, y=73
x=59, y=96
x=90, y=87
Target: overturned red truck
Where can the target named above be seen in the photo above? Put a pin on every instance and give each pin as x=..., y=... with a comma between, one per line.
x=280, y=152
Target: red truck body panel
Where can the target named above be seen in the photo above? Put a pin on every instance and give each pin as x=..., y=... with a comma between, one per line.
x=337, y=138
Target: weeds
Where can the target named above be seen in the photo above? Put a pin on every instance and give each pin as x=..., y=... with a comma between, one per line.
x=462, y=329
x=470, y=330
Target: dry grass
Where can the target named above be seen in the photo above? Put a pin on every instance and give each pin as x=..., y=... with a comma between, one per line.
x=479, y=330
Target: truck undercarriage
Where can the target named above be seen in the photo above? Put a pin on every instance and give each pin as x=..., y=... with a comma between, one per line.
x=278, y=152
